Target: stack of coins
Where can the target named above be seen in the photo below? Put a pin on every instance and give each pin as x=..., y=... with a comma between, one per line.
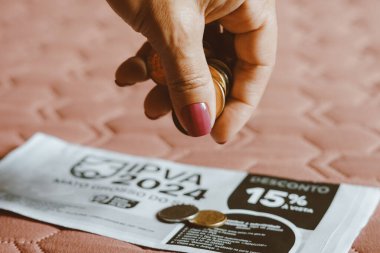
x=220, y=73
x=219, y=50
x=221, y=76
x=191, y=214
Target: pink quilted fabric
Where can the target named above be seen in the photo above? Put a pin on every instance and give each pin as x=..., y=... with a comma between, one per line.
x=319, y=119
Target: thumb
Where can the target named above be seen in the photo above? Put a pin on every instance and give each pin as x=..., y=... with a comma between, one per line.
x=190, y=85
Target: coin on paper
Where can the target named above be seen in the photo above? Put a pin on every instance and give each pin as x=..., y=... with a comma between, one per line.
x=209, y=218
x=177, y=213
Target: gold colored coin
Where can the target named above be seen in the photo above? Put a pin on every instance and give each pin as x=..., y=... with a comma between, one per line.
x=209, y=219
x=223, y=72
x=220, y=98
x=177, y=213
x=218, y=77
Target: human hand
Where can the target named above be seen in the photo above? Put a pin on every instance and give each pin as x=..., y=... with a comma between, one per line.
x=174, y=28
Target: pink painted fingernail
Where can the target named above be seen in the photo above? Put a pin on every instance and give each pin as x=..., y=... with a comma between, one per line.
x=177, y=124
x=196, y=118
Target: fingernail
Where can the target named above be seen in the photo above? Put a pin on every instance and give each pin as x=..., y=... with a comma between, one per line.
x=196, y=118
x=178, y=125
x=151, y=117
x=118, y=83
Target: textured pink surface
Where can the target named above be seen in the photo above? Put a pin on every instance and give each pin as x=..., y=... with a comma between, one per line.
x=319, y=119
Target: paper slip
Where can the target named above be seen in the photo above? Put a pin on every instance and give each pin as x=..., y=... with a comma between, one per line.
x=119, y=195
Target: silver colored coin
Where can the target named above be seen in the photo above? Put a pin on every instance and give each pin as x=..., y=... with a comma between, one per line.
x=177, y=213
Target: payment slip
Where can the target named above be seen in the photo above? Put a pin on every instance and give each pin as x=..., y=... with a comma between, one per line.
x=119, y=196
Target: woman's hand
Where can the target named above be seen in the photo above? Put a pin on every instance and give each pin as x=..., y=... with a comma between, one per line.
x=174, y=28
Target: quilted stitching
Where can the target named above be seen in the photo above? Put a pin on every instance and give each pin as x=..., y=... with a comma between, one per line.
x=319, y=119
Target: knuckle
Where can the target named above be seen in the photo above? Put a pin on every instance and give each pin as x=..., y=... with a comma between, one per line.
x=188, y=84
